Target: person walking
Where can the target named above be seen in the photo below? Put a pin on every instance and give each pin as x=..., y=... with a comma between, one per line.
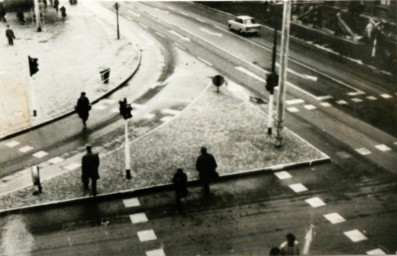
x=83, y=108
x=180, y=184
x=89, y=167
x=290, y=247
x=10, y=35
x=206, y=167
x=63, y=12
x=3, y=14
x=56, y=5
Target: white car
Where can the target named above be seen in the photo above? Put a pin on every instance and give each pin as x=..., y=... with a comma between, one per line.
x=244, y=25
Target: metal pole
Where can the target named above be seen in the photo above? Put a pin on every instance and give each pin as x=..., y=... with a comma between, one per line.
x=283, y=72
x=270, y=115
x=32, y=102
x=117, y=14
x=127, y=152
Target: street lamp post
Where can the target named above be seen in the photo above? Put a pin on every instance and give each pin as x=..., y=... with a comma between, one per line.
x=273, y=81
x=283, y=72
x=125, y=112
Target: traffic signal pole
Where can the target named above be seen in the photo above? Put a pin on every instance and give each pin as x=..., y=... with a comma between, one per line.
x=283, y=72
x=127, y=152
x=270, y=115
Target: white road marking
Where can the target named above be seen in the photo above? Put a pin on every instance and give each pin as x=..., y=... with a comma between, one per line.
x=363, y=151
x=146, y=235
x=12, y=144
x=355, y=93
x=309, y=107
x=184, y=13
x=334, y=218
x=55, y=160
x=72, y=166
x=40, y=154
x=99, y=107
x=149, y=116
x=131, y=202
x=325, y=97
x=171, y=111
x=143, y=25
x=134, y=13
x=25, y=149
x=180, y=46
x=357, y=100
x=298, y=187
x=382, y=147
x=283, y=175
x=166, y=118
x=138, y=218
x=250, y=74
x=187, y=39
x=211, y=32
x=342, y=102
x=295, y=101
x=386, y=96
x=372, y=98
x=293, y=109
x=355, y=235
x=205, y=61
x=157, y=252
x=315, y=202
x=203, y=21
x=163, y=36
x=163, y=11
x=325, y=104
x=376, y=252
x=309, y=77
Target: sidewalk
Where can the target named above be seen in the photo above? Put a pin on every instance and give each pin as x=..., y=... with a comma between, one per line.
x=232, y=129
x=70, y=53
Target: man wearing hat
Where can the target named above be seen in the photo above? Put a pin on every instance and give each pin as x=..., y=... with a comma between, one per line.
x=89, y=167
x=206, y=167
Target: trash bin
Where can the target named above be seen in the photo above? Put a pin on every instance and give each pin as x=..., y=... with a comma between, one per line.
x=105, y=73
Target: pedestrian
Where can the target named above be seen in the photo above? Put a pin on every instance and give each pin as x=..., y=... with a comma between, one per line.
x=10, y=35
x=63, y=12
x=21, y=17
x=89, y=168
x=274, y=251
x=83, y=108
x=290, y=247
x=56, y=4
x=206, y=166
x=180, y=184
x=3, y=14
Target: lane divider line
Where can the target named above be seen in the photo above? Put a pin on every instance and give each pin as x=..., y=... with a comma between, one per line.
x=159, y=34
x=283, y=175
x=382, y=147
x=292, y=109
x=72, y=166
x=334, y=218
x=211, y=32
x=157, y=252
x=40, y=154
x=294, y=101
x=203, y=60
x=315, y=202
x=56, y=160
x=355, y=235
x=131, y=202
x=146, y=235
x=143, y=25
x=309, y=107
x=250, y=73
x=12, y=144
x=138, y=218
x=376, y=251
x=25, y=149
x=180, y=46
x=363, y=151
x=298, y=187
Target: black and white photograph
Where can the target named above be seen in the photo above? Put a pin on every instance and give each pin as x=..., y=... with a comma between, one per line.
x=177, y=128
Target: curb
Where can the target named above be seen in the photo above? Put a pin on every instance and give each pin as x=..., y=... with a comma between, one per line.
x=162, y=187
x=107, y=94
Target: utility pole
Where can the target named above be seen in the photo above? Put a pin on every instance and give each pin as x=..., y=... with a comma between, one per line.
x=283, y=72
x=271, y=82
x=117, y=17
x=37, y=13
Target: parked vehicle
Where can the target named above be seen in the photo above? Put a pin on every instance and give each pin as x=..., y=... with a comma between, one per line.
x=244, y=25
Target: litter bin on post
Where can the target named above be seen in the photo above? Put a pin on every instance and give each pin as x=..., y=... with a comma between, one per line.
x=105, y=73
x=36, y=179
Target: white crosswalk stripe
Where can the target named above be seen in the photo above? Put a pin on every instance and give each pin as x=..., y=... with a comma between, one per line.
x=146, y=235
x=25, y=149
x=131, y=202
x=12, y=144
x=355, y=235
x=40, y=154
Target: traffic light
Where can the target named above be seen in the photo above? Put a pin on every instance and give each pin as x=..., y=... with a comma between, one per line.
x=125, y=109
x=271, y=82
x=33, y=65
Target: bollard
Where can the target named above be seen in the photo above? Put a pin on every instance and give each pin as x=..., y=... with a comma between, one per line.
x=105, y=73
x=36, y=180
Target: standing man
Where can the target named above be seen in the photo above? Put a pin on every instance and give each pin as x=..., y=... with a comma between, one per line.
x=83, y=108
x=206, y=166
x=89, y=167
x=290, y=247
x=56, y=4
x=180, y=184
x=10, y=35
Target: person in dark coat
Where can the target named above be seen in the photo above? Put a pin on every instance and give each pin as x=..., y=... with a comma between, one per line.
x=63, y=11
x=83, y=108
x=56, y=5
x=206, y=166
x=180, y=184
x=10, y=35
x=3, y=14
x=89, y=167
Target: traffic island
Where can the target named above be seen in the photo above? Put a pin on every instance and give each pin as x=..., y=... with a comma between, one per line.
x=232, y=129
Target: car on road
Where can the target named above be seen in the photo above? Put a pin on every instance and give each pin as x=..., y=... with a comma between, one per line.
x=244, y=25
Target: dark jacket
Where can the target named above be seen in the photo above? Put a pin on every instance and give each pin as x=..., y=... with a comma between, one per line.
x=180, y=183
x=90, y=164
x=10, y=33
x=206, y=166
x=83, y=106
